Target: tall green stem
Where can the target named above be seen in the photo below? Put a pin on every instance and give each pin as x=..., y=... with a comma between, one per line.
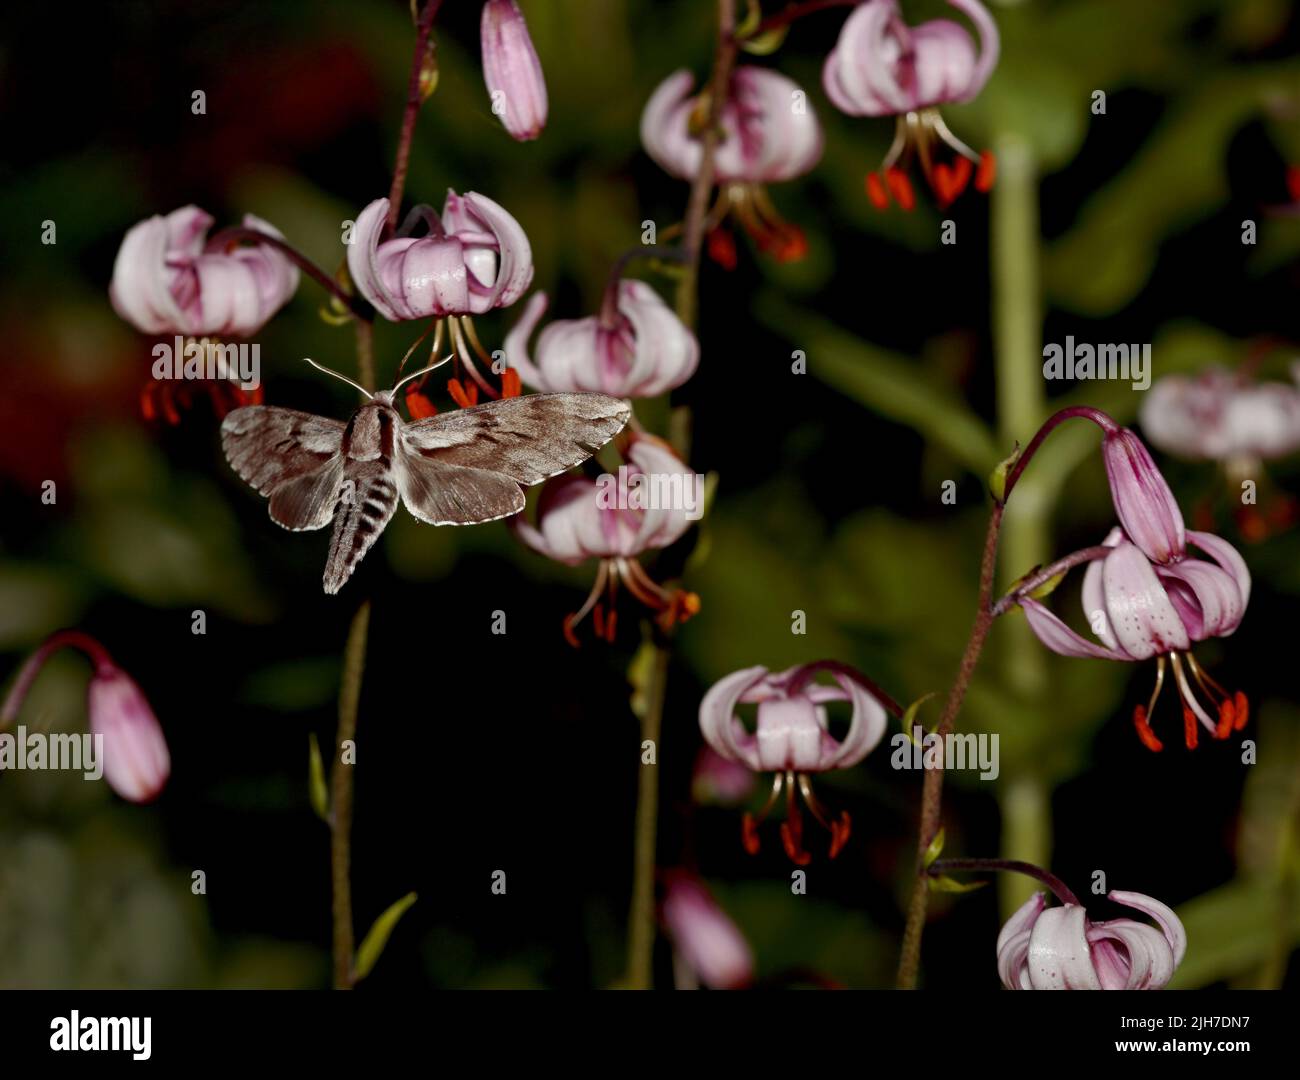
x=354, y=663
x=1022, y=405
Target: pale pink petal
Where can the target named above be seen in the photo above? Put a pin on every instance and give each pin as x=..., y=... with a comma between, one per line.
x=1142, y=617
x=719, y=724
x=1052, y=632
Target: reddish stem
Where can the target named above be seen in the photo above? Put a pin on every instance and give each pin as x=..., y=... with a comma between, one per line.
x=423, y=28
x=1015, y=866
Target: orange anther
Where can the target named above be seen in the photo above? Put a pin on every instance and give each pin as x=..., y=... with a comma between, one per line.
x=1189, y=728
x=792, y=842
x=749, y=833
x=418, y=405
x=1144, y=731
x=722, y=248
x=510, y=384
x=987, y=172
x=840, y=833
x=464, y=396
x=876, y=192
x=901, y=188
x=1242, y=710
x=1227, y=717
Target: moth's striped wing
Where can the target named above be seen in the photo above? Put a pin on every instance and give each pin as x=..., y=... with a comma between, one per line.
x=291, y=456
x=525, y=438
x=441, y=494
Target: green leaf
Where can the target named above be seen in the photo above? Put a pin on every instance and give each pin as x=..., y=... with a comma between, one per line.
x=909, y=717
x=935, y=849
x=319, y=793
x=943, y=883
x=372, y=946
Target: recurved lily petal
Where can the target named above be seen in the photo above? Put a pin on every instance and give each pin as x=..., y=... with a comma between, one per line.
x=719, y=724
x=1057, y=636
x=1142, y=617
x=1229, y=558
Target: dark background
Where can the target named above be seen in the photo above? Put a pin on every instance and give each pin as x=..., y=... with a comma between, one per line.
x=480, y=752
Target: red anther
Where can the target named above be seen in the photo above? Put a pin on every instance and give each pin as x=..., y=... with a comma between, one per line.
x=1241, y=709
x=510, y=384
x=792, y=842
x=987, y=172
x=840, y=833
x=1144, y=731
x=1189, y=728
x=721, y=246
x=942, y=183
x=1293, y=182
x=170, y=413
x=569, y=635
x=1227, y=717
x=790, y=245
x=901, y=188
x=749, y=833
x=464, y=396
x=253, y=397
x=961, y=175
x=147, y=407
x=876, y=192
x=610, y=623
x=598, y=620
x=418, y=405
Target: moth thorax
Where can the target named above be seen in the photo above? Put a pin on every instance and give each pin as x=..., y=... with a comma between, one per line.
x=369, y=433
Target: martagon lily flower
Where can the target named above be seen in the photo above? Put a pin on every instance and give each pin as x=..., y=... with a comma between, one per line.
x=1222, y=416
x=579, y=518
x=1060, y=948
x=136, y=761
x=473, y=258
x=769, y=134
x=880, y=66
x=791, y=740
x=512, y=71
x=1144, y=595
x=707, y=941
x=636, y=347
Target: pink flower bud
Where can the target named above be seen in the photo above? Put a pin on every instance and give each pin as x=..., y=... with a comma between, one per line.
x=512, y=71
x=1143, y=502
x=472, y=259
x=707, y=940
x=167, y=280
x=136, y=761
x=640, y=349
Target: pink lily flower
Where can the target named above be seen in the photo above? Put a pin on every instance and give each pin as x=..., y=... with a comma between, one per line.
x=512, y=71
x=705, y=938
x=136, y=760
x=168, y=279
x=472, y=259
x=636, y=347
x=791, y=741
x=769, y=134
x=1060, y=948
x=880, y=66
x=614, y=521
x=1221, y=416
x=1139, y=609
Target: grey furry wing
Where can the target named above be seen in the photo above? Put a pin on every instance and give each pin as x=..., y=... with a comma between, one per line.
x=291, y=456
x=439, y=493
x=524, y=438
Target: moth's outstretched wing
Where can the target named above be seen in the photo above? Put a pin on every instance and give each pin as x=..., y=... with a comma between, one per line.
x=291, y=456
x=525, y=438
x=439, y=493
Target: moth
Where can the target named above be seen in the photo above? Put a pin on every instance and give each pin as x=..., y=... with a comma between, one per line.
x=456, y=468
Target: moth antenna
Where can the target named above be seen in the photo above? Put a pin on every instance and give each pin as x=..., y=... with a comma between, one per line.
x=422, y=371
x=322, y=367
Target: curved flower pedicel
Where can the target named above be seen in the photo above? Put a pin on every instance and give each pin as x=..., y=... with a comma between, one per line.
x=769, y=134
x=614, y=520
x=136, y=761
x=710, y=944
x=791, y=740
x=473, y=258
x=1060, y=948
x=636, y=347
x=880, y=66
x=169, y=279
x=1145, y=596
x=512, y=71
